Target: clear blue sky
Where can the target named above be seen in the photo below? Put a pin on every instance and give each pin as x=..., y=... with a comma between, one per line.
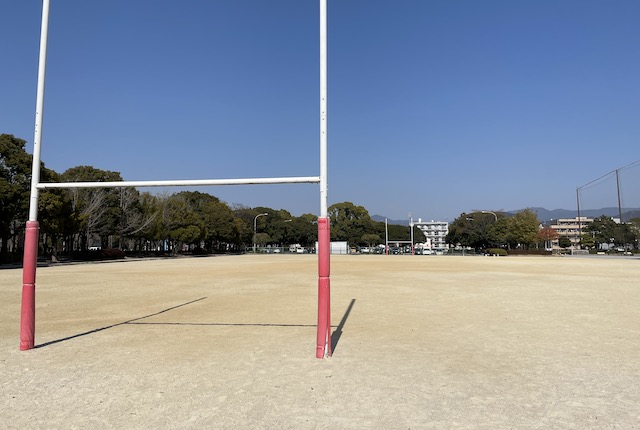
x=435, y=107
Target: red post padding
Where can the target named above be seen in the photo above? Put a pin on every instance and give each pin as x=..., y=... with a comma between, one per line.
x=28, y=311
x=323, y=341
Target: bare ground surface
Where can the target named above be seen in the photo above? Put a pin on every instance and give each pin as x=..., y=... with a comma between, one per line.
x=422, y=342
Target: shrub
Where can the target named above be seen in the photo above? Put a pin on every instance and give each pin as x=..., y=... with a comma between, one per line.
x=112, y=254
x=496, y=251
x=101, y=254
x=10, y=257
x=528, y=252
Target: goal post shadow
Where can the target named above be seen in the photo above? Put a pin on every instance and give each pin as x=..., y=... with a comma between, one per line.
x=131, y=321
x=28, y=304
x=335, y=335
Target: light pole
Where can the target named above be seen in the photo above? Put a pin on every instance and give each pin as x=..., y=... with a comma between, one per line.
x=492, y=213
x=254, y=229
x=411, y=231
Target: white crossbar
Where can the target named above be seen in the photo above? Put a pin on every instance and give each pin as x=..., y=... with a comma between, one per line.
x=182, y=183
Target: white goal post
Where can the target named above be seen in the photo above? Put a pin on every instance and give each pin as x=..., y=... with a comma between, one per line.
x=27, y=316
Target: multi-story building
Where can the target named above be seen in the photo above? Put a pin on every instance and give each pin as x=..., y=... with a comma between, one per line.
x=571, y=228
x=435, y=232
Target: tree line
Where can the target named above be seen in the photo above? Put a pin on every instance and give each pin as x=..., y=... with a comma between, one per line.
x=79, y=219
x=604, y=233
x=482, y=230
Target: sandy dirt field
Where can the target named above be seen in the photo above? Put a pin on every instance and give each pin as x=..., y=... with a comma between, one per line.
x=422, y=342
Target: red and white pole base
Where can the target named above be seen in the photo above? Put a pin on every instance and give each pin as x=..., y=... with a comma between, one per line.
x=28, y=311
x=323, y=343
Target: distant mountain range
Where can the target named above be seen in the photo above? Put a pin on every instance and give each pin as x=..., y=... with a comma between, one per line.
x=546, y=215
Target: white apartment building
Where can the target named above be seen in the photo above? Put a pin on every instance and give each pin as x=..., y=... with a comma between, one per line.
x=435, y=232
x=570, y=227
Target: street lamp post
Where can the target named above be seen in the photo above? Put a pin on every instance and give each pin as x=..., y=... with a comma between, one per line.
x=411, y=233
x=492, y=213
x=255, y=219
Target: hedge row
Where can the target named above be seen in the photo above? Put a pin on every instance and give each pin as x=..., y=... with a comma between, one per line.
x=528, y=252
x=100, y=254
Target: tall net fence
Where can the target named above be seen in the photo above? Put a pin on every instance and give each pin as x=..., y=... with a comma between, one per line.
x=614, y=194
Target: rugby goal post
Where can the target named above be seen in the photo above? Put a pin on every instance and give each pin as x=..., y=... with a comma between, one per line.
x=28, y=306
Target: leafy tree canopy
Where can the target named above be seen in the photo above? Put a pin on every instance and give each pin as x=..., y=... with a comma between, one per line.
x=564, y=242
x=523, y=229
x=349, y=222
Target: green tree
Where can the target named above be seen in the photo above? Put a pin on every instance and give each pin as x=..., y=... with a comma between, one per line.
x=499, y=231
x=587, y=240
x=461, y=232
x=243, y=223
x=198, y=219
x=15, y=184
x=371, y=239
x=219, y=225
x=523, y=229
x=603, y=229
x=349, y=222
x=277, y=225
x=418, y=235
x=477, y=230
x=303, y=230
x=262, y=223
x=634, y=231
x=564, y=242
x=183, y=223
x=262, y=239
x=398, y=232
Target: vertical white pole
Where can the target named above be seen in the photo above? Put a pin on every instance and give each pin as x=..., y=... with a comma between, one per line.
x=411, y=234
x=386, y=237
x=37, y=139
x=619, y=200
x=30, y=259
x=323, y=108
x=579, y=218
